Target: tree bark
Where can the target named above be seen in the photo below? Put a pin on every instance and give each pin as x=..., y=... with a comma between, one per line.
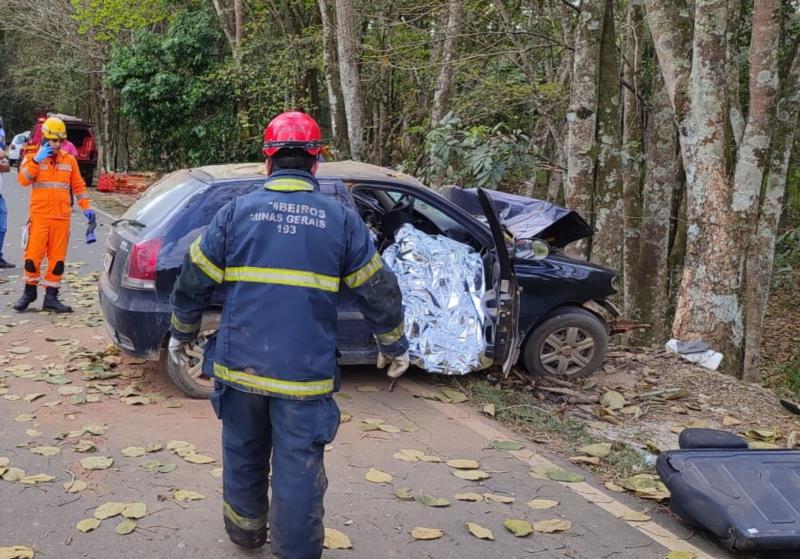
x=331, y=69
x=582, y=115
x=347, y=42
x=233, y=28
x=761, y=252
x=736, y=115
x=632, y=146
x=608, y=204
x=455, y=9
x=661, y=175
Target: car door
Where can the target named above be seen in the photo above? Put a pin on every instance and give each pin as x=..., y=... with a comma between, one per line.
x=505, y=312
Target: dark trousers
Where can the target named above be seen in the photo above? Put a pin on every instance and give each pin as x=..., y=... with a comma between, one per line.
x=294, y=434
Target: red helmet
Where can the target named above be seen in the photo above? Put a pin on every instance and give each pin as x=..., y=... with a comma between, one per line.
x=292, y=129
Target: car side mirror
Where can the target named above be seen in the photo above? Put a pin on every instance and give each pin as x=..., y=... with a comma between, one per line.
x=531, y=249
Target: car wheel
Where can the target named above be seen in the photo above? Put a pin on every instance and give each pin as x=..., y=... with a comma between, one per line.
x=571, y=343
x=189, y=378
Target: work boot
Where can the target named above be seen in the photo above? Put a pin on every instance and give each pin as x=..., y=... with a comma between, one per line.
x=5, y=264
x=251, y=539
x=51, y=302
x=28, y=297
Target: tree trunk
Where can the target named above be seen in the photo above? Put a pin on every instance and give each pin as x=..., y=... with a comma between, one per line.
x=708, y=305
x=661, y=175
x=331, y=69
x=736, y=115
x=441, y=94
x=632, y=146
x=582, y=115
x=761, y=252
x=348, y=43
x=608, y=204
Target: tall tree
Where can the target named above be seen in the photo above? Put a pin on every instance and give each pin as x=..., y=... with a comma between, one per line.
x=230, y=14
x=330, y=65
x=347, y=42
x=455, y=9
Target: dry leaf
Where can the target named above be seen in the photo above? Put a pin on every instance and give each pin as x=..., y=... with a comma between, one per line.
x=464, y=464
x=479, y=531
x=404, y=494
x=153, y=447
x=542, y=504
x=472, y=497
x=767, y=435
x=455, y=396
x=634, y=516
x=386, y=428
x=611, y=486
x=37, y=478
x=74, y=486
x=84, y=445
x=613, y=400
x=519, y=528
x=431, y=501
x=377, y=476
x=593, y=460
x=552, y=526
x=471, y=475
x=498, y=498
x=432, y=459
x=490, y=410
x=16, y=552
x=32, y=433
x=647, y=486
x=24, y=417
x=97, y=462
x=13, y=474
x=730, y=421
x=681, y=555
x=502, y=444
x=369, y=388
x=185, y=495
x=334, y=539
x=107, y=510
x=133, y=451
x=175, y=445
x=87, y=525
x=600, y=450
x=125, y=527
x=426, y=533
x=32, y=397
x=409, y=455
x=4, y=461
x=216, y=472
x=565, y=476
x=199, y=459
x=345, y=417
x=46, y=450
x=135, y=510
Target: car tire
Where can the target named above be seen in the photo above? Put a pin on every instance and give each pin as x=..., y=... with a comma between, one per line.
x=189, y=379
x=570, y=343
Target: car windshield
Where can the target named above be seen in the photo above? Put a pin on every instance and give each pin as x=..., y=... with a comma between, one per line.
x=163, y=197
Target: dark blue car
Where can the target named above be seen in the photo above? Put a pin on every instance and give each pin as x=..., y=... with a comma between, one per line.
x=545, y=309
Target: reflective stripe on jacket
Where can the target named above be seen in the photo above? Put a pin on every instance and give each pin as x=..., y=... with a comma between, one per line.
x=281, y=255
x=51, y=182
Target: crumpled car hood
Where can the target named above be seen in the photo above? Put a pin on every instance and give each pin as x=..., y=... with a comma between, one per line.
x=525, y=218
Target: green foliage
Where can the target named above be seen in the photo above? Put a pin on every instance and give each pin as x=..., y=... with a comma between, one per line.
x=478, y=156
x=106, y=19
x=790, y=370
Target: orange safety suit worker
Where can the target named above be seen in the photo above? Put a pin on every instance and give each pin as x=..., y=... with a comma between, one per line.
x=50, y=209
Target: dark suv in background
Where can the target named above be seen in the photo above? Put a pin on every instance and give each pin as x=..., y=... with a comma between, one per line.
x=81, y=135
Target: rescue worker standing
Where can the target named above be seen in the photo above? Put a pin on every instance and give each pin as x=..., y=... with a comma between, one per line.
x=280, y=256
x=53, y=175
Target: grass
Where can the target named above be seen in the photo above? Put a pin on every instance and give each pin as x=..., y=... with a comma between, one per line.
x=527, y=415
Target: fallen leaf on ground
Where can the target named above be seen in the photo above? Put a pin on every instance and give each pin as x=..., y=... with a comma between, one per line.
x=764, y=434
x=24, y=417
x=125, y=527
x=761, y=445
x=4, y=461
x=199, y=459
x=70, y=390
x=431, y=501
x=369, y=388
x=426, y=533
x=502, y=444
x=593, y=460
x=87, y=525
x=565, y=476
x=464, y=464
x=429, y=458
x=345, y=417
x=456, y=396
x=498, y=498
x=46, y=450
x=404, y=494
x=97, y=462
x=409, y=455
x=386, y=428
x=185, y=495
x=647, y=486
x=634, y=516
x=173, y=404
x=490, y=410
x=519, y=528
x=20, y=350
x=611, y=486
x=377, y=476
x=37, y=478
x=681, y=555
x=16, y=552
x=136, y=400
x=133, y=451
x=75, y=486
x=600, y=450
x=613, y=400
x=84, y=445
x=107, y=510
x=13, y=474
x=135, y=510
x=216, y=472
x=552, y=526
x=730, y=421
x=542, y=504
x=334, y=539
x=32, y=397
x=471, y=475
x=479, y=531
x=472, y=497
x=154, y=447
x=95, y=428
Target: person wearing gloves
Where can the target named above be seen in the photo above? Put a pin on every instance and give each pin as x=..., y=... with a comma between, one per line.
x=52, y=174
x=280, y=256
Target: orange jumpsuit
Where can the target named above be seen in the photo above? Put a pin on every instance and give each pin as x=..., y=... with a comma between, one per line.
x=50, y=209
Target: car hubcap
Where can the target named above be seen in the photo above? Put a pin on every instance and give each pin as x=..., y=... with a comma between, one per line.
x=195, y=367
x=567, y=351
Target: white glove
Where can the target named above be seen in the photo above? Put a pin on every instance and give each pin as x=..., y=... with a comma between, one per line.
x=177, y=351
x=397, y=365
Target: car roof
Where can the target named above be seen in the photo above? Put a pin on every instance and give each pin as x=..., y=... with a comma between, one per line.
x=345, y=170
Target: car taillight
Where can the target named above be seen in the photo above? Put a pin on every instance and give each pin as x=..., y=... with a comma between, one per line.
x=140, y=272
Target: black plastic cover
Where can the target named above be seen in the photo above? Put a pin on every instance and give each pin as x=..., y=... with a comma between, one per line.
x=526, y=218
x=710, y=438
x=749, y=499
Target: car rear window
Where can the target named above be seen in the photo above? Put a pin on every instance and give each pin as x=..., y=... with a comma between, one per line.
x=161, y=199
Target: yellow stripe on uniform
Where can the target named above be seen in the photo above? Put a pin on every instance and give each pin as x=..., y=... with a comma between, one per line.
x=241, y=521
x=283, y=276
x=288, y=185
x=201, y=261
x=183, y=326
x=274, y=385
x=390, y=337
x=361, y=275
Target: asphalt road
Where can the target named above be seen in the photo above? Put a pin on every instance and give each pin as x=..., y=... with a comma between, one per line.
x=44, y=516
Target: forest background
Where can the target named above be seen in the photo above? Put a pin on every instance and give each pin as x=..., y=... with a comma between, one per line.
x=670, y=126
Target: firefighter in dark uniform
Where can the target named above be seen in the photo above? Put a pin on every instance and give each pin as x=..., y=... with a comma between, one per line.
x=280, y=256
